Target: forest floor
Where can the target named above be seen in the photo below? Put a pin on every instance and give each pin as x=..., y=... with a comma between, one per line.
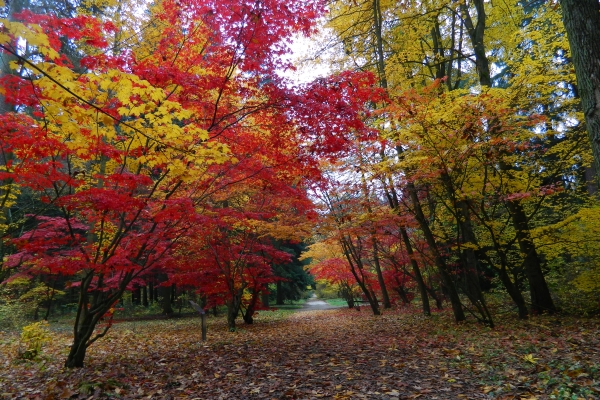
x=332, y=354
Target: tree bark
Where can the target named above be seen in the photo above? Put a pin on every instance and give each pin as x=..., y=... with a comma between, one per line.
x=279, y=299
x=265, y=298
x=136, y=296
x=394, y=203
x=357, y=268
x=581, y=19
x=167, y=305
x=541, y=300
x=440, y=263
x=233, y=309
x=476, y=34
x=145, y=296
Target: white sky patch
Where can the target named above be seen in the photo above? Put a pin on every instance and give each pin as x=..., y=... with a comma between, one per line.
x=303, y=57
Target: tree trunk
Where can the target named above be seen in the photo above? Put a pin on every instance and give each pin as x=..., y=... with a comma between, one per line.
x=394, y=204
x=417, y=272
x=279, y=300
x=541, y=299
x=151, y=292
x=581, y=19
x=91, y=307
x=470, y=267
x=367, y=195
x=165, y=294
x=440, y=263
x=514, y=293
x=590, y=180
x=251, y=309
x=476, y=34
x=136, y=296
x=265, y=298
x=384, y=293
x=356, y=268
x=403, y=295
x=233, y=309
x=78, y=348
x=145, y=296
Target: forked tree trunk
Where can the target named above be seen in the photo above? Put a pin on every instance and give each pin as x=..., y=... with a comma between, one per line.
x=251, y=309
x=394, y=204
x=91, y=307
x=79, y=347
x=417, y=272
x=440, y=263
x=541, y=299
x=233, y=309
x=356, y=269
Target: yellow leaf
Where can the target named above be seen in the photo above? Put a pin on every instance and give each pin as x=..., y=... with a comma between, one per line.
x=530, y=359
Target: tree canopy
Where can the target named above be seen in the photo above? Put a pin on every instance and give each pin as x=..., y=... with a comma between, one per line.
x=445, y=157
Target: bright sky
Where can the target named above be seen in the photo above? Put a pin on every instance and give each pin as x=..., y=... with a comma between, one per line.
x=307, y=71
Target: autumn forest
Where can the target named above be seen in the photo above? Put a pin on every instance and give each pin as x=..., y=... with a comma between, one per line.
x=437, y=185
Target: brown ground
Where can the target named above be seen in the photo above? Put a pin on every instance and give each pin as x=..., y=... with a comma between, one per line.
x=332, y=354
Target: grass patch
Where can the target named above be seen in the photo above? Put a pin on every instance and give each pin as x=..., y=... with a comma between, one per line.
x=293, y=305
x=337, y=302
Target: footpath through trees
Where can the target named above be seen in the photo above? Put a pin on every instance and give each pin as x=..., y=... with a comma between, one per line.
x=333, y=354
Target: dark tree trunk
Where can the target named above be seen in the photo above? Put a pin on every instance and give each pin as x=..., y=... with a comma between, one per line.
x=471, y=263
x=265, y=298
x=151, y=292
x=357, y=268
x=233, y=309
x=91, y=307
x=78, y=348
x=435, y=296
x=476, y=34
x=394, y=204
x=251, y=309
x=403, y=295
x=145, y=296
x=350, y=301
x=384, y=292
x=279, y=300
x=136, y=296
x=417, y=272
x=514, y=293
x=541, y=300
x=50, y=302
x=165, y=294
x=440, y=263
x=590, y=180
x=582, y=23
x=512, y=288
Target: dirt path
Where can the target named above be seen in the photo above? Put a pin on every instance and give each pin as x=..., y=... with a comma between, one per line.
x=314, y=304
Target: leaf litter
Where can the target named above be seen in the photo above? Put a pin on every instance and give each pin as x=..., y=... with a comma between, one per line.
x=332, y=354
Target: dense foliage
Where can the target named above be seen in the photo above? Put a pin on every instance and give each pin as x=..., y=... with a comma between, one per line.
x=154, y=151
